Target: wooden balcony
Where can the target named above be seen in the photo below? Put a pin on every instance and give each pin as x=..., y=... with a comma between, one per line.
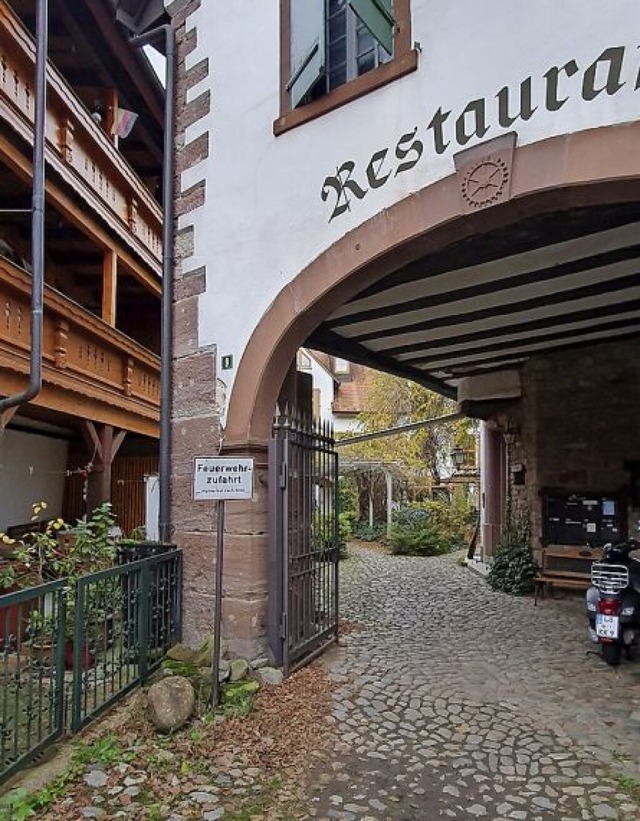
x=77, y=150
x=90, y=370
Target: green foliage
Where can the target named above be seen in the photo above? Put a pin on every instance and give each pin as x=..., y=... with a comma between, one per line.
x=104, y=751
x=237, y=699
x=345, y=532
x=513, y=569
x=19, y=804
x=347, y=507
x=46, y=553
x=16, y=805
x=392, y=401
x=93, y=548
x=630, y=786
x=419, y=530
x=368, y=533
x=348, y=496
x=427, y=529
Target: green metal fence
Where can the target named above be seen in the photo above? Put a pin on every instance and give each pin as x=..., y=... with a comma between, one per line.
x=69, y=650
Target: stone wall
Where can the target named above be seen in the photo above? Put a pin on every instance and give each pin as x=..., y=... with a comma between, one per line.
x=195, y=419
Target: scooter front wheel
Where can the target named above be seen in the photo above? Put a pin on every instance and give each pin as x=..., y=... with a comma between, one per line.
x=612, y=653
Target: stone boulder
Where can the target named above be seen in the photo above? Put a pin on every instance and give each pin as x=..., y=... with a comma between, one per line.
x=199, y=657
x=170, y=703
x=269, y=675
x=239, y=669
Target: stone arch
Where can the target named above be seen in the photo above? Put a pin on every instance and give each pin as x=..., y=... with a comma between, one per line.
x=598, y=166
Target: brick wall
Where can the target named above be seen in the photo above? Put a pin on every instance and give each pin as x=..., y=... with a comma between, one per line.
x=579, y=423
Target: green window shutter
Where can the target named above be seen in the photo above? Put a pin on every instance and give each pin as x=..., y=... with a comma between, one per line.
x=377, y=15
x=308, y=60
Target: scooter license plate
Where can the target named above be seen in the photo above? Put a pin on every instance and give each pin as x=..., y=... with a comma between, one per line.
x=607, y=627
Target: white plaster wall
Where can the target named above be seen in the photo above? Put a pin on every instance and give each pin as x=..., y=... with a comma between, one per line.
x=322, y=381
x=264, y=219
x=32, y=470
x=342, y=424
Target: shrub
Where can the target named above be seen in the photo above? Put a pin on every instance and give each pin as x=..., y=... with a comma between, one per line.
x=426, y=529
x=513, y=569
x=345, y=532
x=368, y=533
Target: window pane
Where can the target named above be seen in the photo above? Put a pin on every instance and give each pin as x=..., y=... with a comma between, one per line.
x=366, y=62
x=337, y=77
x=337, y=54
x=365, y=41
x=337, y=25
x=336, y=6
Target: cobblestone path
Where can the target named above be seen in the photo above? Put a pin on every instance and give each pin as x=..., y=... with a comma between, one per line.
x=453, y=701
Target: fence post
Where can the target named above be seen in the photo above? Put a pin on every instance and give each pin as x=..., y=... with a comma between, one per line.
x=277, y=605
x=177, y=596
x=78, y=636
x=60, y=611
x=143, y=619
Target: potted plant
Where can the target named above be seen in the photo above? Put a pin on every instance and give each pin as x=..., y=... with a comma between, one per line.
x=22, y=564
x=57, y=551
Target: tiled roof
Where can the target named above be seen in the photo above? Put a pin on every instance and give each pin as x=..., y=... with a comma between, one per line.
x=350, y=396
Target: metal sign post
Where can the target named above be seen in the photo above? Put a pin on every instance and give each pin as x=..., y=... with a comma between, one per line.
x=220, y=478
x=217, y=618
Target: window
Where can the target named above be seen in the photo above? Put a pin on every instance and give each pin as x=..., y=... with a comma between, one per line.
x=341, y=367
x=304, y=361
x=334, y=51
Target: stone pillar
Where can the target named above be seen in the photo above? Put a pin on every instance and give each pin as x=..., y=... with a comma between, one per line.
x=195, y=432
x=195, y=416
x=246, y=564
x=492, y=488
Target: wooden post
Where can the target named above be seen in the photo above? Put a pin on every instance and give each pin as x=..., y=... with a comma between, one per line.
x=6, y=416
x=389, y=480
x=103, y=445
x=109, y=287
x=111, y=109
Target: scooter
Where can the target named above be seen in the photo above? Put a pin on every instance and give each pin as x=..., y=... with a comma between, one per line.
x=613, y=602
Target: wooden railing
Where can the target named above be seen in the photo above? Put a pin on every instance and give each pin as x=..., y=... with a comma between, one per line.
x=89, y=368
x=77, y=148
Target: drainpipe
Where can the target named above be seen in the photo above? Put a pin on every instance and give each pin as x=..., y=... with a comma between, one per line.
x=37, y=216
x=166, y=325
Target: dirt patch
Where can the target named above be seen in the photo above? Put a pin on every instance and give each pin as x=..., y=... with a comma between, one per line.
x=376, y=547
x=254, y=767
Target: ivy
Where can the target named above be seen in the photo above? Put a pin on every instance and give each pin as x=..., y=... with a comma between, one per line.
x=513, y=568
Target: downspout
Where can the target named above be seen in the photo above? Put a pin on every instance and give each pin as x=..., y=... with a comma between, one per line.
x=37, y=216
x=166, y=324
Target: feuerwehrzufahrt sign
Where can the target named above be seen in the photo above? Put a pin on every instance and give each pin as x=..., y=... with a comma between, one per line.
x=222, y=478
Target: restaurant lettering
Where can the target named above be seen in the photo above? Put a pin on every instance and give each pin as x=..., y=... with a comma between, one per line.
x=352, y=181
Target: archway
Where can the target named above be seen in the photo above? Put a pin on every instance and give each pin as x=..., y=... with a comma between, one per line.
x=592, y=168
x=581, y=174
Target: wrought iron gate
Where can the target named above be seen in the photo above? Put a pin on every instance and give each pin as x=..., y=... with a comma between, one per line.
x=304, y=543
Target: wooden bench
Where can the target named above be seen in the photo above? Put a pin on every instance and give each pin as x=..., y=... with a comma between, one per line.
x=568, y=567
